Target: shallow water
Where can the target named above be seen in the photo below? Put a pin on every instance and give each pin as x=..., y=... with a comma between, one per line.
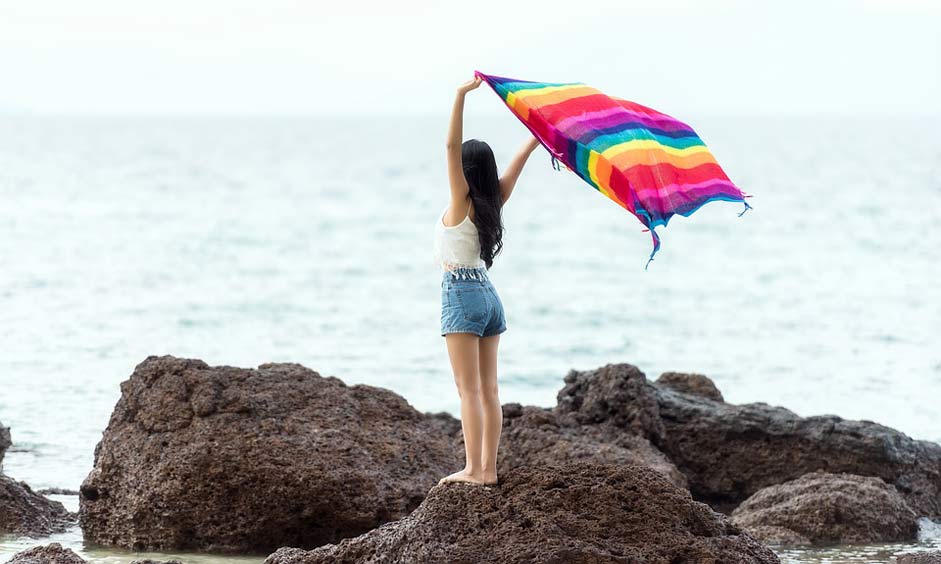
x=244, y=241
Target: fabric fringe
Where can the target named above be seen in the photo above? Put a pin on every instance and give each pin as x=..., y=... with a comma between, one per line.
x=656, y=246
x=465, y=273
x=557, y=164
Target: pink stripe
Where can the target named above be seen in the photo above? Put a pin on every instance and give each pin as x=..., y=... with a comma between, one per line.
x=578, y=125
x=670, y=189
x=567, y=122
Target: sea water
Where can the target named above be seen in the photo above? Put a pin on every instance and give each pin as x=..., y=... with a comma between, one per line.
x=249, y=240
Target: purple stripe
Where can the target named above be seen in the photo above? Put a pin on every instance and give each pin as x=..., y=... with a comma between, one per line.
x=583, y=124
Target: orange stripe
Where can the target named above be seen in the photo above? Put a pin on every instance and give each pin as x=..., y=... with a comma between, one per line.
x=657, y=156
x=538, y=100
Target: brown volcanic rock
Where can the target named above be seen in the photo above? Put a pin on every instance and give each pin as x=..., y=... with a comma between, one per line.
x=241, y=460
x=932, y=557
x=691, y=383
x=580, y=513
x=25, y=512
x=616, y=394
x=729, y=452
x=49, y=554
x=821, y=508
x=534, y=436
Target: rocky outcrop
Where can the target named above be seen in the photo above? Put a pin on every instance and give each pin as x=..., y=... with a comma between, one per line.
x=932, y=557
x=729, y=452
x=241, y=460
x=5, y=442
x=25, y=512
x=821, y=508
x=53, y=553
x=534, y=436
x=579, y=513
x=691, y=383
x=615, y=394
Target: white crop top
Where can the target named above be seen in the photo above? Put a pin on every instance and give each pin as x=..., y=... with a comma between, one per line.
x=457, y=246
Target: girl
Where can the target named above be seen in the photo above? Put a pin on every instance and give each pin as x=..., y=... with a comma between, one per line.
x=467, y=237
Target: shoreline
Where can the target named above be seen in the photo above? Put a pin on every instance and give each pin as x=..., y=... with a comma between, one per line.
x=693, y=392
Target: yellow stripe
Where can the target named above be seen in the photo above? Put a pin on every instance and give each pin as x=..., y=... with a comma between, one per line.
x=652, y=144
x=554, y=94
x=517, y=106
x=593, y=168
x=593, y=159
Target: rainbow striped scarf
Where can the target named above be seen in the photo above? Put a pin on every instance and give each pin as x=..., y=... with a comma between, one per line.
x=651, y=164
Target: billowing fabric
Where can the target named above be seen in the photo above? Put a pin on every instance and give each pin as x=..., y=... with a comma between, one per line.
x=649, y=163
x=470, y=304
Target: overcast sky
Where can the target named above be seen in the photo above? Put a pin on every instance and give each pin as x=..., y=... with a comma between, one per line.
x=287, y=57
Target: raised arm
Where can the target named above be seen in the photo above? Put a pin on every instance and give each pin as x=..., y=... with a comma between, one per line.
x=512, y=172
x=459, y=188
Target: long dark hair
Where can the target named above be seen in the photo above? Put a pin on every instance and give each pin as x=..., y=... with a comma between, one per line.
x=480, y=170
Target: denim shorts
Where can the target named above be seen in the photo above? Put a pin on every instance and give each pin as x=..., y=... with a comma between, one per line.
x=470, y=304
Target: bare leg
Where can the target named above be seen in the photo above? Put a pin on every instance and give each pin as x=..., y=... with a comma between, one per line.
x=493, y=412
x=463, y=352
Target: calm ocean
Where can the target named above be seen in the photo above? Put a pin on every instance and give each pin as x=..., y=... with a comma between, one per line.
x=249, y=240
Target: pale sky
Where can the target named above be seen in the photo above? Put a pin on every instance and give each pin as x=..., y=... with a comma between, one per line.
x=314, y=57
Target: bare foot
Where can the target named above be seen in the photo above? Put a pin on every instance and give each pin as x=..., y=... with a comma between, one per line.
x=490, y=478
x=462, y=476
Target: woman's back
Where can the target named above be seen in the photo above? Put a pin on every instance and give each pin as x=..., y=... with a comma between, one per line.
x=457, y=246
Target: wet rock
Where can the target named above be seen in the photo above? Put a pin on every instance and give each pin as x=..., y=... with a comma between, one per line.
x=534, y=436
x=53, y=553
x=5, y=442
x=25, y=512
x=821, y=508
x=241, y=460
x=932, y=557
x=691, y=383
x=729, y=452
x=579, y=513
x=148, y=561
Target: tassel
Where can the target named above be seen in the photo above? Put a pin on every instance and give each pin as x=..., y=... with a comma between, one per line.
x=656, y=246
x=747, y=207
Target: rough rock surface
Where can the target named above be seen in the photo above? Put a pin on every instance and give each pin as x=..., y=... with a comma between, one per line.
x=5, y=442
x=534, y=436
x=821, y=508
x=579, y=513
x=729, y=452
x=240, y=460
x=48, y=554
x=58, y=491
x=25, y=512
x=617, y=394
x=933, y=557
x=691, y=383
